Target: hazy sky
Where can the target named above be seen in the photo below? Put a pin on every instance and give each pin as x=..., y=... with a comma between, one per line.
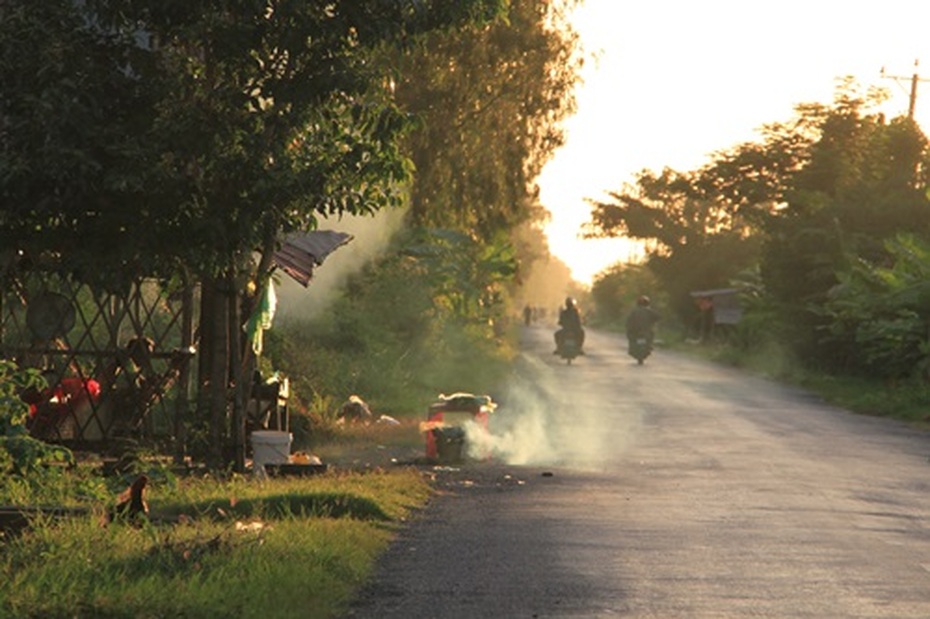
x=676, y=80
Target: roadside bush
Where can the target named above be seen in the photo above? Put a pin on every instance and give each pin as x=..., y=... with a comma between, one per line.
x=20, y=453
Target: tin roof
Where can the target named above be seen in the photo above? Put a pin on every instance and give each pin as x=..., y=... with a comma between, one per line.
x=301, y=252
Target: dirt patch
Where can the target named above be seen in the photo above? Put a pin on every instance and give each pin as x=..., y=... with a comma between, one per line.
x=369, y=446
x=366, y=448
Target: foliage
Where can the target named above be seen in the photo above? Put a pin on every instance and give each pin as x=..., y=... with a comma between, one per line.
x=861, y=186
x=490, y=101
x=878, y=316
x=614, y=291
x=389, y=341
x=364, y=345
x=809, y=212
x=750, y=180
x=20, y=453
x=73, y=152
x=694, y=240
x=465, y=275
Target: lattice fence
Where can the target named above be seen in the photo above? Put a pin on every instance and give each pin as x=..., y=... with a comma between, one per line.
x=118, y=366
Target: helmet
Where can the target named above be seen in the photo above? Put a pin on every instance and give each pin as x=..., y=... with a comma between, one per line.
x=643, y=300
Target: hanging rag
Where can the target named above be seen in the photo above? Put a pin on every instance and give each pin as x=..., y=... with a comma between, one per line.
x=262, y=317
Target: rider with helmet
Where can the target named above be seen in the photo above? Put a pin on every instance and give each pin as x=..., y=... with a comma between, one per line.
x=641, y=321
x=569, y=323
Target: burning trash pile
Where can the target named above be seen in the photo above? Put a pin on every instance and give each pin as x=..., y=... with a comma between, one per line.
x=448, y=422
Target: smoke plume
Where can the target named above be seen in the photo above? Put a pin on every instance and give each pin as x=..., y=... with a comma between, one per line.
x=543, y=421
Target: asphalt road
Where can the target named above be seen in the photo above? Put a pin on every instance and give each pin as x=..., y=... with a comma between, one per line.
x=677, y=489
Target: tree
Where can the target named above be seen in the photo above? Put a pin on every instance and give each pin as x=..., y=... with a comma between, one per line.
x=214, y=127
x=489, y=100
x=878, y=316
x=815, y=195
x=465, y=275
x=694, y=238
x=306, y=129
x=862, y=184
x=615, y=290
x=246, y=120
x=73, y=125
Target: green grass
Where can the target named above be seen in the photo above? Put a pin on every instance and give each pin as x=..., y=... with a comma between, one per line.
x=904, y=400
x=291, y=547
x=907, y=401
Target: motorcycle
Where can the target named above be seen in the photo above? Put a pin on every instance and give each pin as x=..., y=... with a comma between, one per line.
x=570, y=348
x=640, y=348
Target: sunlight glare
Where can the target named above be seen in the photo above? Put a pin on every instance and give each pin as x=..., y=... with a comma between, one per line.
x=673, y=81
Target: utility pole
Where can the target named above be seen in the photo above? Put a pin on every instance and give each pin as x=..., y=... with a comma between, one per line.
x=914, y=79
x=912, y=104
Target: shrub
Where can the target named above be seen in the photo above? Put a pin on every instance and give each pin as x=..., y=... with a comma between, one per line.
x=20, y=453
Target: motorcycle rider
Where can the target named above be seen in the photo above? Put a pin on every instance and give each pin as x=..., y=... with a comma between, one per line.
x=569, y=323
x=641, y=321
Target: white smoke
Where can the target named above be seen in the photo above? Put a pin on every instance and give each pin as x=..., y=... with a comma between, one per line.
x=521, y=438
x=544, y=421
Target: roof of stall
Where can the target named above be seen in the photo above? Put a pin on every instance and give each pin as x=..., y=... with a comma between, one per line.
x=301, y=252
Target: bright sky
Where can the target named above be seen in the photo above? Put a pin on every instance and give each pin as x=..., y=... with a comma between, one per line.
x=676, y=80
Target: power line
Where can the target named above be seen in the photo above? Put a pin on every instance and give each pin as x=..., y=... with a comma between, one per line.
x=914, y=80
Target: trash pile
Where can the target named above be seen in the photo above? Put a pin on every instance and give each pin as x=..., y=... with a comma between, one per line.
x=355, y=410
x=444, y=428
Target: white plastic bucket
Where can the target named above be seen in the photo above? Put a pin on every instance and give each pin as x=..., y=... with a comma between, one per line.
x=270, y=447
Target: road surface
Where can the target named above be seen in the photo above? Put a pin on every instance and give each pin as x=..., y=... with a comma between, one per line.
x=677, y=489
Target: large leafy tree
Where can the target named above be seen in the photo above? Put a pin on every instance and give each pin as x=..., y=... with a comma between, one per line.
x=702, y=228
x=489, y=100
x=863, y=183
x=207, y=129
x=274, y=116
x=695, y=239
x=816, y=193
x=198, y=129
x=73, y=124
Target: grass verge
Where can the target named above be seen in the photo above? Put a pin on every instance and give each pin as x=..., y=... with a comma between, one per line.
x=904, y=400
x=237, y=548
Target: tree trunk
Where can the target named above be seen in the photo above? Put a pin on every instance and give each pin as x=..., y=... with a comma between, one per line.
x=219, y=372
x=205, y=354
x=238, y=381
